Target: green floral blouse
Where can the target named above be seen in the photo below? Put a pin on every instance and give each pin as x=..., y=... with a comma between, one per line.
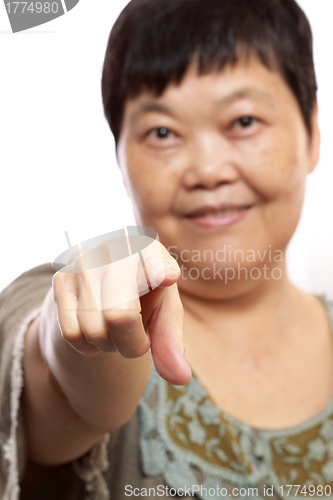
x=189, y=441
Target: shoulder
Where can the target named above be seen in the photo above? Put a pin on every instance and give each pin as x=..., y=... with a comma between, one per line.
x=39, y=274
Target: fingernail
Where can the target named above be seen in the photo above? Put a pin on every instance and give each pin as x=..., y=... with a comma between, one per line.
x=181, y=358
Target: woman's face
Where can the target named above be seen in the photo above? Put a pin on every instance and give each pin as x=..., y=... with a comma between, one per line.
x=226, y=140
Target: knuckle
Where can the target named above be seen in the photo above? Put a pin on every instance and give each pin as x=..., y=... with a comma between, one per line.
x=138, y=353
x=122, y=319
x=83, y=279
x=86, y=349
x=131, y=350
x=94, y=335
x=55, y=278
x=105, y=345
x=57, y=282
x=61, y=282
x=71, y=335
x=61, y=277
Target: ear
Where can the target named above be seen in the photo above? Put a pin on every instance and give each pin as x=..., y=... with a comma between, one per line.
x=315, y=140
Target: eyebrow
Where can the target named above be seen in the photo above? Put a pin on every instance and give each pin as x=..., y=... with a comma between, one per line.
x=153, y=107
x=243, y=93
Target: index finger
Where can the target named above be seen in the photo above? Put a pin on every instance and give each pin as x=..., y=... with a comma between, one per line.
x=165, y=329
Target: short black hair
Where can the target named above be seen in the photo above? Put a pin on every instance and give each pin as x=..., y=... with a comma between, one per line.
x=153, y=43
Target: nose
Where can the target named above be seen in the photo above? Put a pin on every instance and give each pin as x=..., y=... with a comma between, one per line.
x=211, y=163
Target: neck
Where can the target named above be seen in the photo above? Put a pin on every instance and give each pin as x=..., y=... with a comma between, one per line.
x=251, y=310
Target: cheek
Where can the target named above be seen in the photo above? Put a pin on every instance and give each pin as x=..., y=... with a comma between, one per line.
x=277, y=167
x=278, y=175
x=153, y=187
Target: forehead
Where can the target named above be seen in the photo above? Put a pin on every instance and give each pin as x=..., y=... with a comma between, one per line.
x=248, y=79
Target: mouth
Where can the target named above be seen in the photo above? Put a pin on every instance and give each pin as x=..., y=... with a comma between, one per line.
x=223, y=215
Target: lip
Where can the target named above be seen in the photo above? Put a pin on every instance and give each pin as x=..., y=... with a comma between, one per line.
x=199, y=217
x=215, y=208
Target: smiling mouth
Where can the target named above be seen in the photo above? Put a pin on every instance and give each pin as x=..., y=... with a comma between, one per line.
x=220, y=213
x=214, y=213
x=219, y=217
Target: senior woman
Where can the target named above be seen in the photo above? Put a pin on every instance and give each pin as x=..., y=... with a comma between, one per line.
x=213, y=108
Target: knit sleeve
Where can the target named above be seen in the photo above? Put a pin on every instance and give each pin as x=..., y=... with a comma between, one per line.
x=20, y=303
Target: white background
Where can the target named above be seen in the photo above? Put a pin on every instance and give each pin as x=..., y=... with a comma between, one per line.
x=58, y=166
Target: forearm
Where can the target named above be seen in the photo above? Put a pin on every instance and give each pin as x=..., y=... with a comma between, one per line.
x=55, y=434
x=104, y=389
x=70, y=400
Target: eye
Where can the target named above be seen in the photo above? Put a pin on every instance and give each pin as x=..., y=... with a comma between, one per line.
x=245, y=121
x=160, y=133
x=244, y=127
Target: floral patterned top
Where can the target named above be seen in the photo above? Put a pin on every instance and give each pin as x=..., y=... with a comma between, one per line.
x=189, y=441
